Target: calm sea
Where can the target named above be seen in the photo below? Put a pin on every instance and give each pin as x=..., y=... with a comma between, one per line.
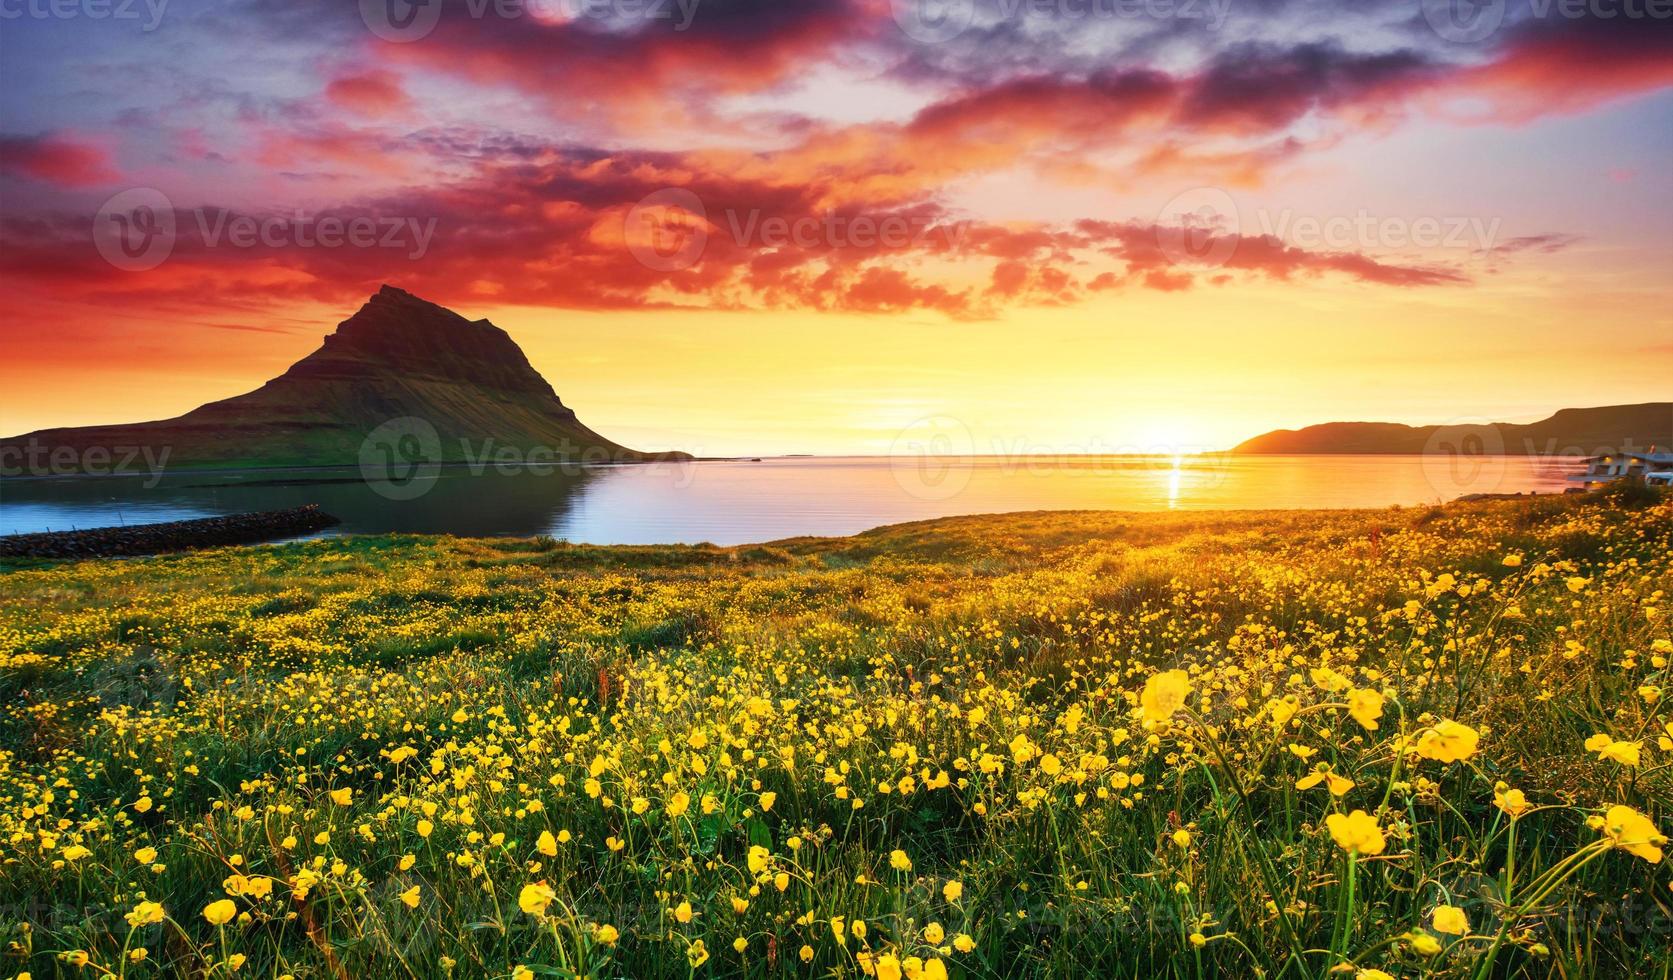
x=738, y=502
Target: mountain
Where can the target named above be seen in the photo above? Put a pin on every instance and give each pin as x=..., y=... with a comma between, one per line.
x=398, y=359
x=1581, y=431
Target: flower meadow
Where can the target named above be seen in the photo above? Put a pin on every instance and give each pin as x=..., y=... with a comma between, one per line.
x=1398, y=743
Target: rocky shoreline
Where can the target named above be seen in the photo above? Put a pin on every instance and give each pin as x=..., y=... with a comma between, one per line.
x=152, y=539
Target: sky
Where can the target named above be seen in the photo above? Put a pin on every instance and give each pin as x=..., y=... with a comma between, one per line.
x=754, y=227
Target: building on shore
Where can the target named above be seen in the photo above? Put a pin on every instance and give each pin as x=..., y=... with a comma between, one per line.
x=1654, y=468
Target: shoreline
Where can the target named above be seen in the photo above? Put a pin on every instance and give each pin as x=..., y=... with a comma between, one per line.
x=140, y=540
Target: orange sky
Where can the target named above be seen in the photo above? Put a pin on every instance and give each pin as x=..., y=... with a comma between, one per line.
x=1141, y=234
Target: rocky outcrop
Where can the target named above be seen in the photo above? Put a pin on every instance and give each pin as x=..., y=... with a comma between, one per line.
x=397, y=358
x=152, y=539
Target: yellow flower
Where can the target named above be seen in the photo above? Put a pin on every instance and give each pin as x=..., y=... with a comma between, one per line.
x=1609, y=750
x=678, y=804
x=342, y=797
x=143, y=804
x=409, y=898
x=933, y=934
x=697, y=954
x=963, y=942
x=546, y=844
x=888, y=967
x=221, y=912
x=424, y=828
x=899, y=861
x=1338, y=785
x=75, y=852
x=759, y=857
x=682, y=913
x=1451, y=920
x=934, y=969
x=1164, y=694
x=1182, y=837
x=768, y=799
x=806, y=953
x=534, y=898
x=952, y=890
x=1512, y=801
x=144, y=914
x=145, y=855
x=1366, y=706
x=520, y=972
x=1356, y=833
x=1448, y=741
x=1422, y=943
x=1372, y=974
x=607, y=934
x=1634, y=833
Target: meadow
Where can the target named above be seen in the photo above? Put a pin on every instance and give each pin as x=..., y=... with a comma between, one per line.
x=1427, y=742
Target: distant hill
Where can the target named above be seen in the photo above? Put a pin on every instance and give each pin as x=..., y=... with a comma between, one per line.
x=1580, y=431
x=397, y=358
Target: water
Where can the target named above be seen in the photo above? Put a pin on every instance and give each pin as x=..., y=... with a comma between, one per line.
x=736, y=502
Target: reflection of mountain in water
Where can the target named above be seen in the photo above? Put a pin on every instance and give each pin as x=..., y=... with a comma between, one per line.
x=455, y=501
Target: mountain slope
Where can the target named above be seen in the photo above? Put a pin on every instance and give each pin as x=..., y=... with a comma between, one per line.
x=1582, y=431
x=399, y=357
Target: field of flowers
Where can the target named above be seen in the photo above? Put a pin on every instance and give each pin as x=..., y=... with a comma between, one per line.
x=1399, y=743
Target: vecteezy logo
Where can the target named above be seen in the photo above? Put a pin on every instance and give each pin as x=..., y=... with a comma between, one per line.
x=1464, y=21
x=1198, y=227
x=134, y=230
x=401, y=458
x=667, y=230
x=931, y=458
x=933, y=21
x=1466, y=456
x=401, y=21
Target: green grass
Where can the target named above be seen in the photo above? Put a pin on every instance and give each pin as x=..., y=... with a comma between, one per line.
x=236, y=689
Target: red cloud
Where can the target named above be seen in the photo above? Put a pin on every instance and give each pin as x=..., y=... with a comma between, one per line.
x=372, y=93
x=1562, y=66
x=55, y=160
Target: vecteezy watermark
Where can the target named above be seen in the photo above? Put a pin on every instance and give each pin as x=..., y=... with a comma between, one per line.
x=1362, y=229
x=135, y=229
x=1205, y=226
x=150, y=12
x=403, y=458
x=930, y=458
x=1473, y=21
x=939, y=21
x=41, y=459
x=669, y=230
x=404, y=21
x=1465, y=456
x=1199, y=227
x=139, y=228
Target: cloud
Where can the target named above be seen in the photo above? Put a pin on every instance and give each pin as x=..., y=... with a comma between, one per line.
x=1561, y=65
x=370, y=93
x=54, y=159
